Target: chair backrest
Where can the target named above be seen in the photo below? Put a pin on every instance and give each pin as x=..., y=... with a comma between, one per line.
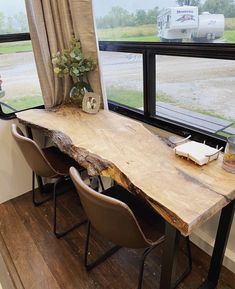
x=33, y=154
x=112, y=218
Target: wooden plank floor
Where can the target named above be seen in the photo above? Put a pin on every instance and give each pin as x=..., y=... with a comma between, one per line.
x=43, y=262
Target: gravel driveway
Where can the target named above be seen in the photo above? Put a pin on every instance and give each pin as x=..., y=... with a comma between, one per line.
x=207, y=84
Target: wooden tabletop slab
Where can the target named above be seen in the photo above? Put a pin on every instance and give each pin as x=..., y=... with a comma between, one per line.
x=185, y=194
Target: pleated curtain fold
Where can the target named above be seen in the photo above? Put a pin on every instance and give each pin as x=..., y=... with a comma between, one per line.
x=52, y=24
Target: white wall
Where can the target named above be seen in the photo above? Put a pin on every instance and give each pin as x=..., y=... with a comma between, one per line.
x=15, y=175
x=204, y=238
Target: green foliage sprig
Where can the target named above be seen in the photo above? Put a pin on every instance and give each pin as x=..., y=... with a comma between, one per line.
x=72, y=62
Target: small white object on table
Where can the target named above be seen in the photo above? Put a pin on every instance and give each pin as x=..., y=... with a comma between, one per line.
x=200, y=153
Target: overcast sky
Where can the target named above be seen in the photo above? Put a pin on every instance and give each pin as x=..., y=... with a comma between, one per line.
x=11, y=7
x=101, y=7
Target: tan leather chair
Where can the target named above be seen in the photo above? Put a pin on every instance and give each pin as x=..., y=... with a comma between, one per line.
x=123, y=219
x=49, y=163
x=115, y=221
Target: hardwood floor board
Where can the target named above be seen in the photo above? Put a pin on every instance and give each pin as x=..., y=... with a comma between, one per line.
x=108, y=269
x=202, y=262
x=9, y=277
x=128, y=259
x=29, y=263
x=112, y=271
x=42, y=261
x=64, y=266
x=119, y=264
x=132, y=260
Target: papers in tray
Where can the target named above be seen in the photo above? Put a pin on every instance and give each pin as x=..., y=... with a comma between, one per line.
x=200, y=153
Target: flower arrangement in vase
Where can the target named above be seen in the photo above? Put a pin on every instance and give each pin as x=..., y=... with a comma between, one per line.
x=72, y=62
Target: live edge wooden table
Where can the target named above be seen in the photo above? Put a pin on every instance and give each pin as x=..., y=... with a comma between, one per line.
x=184, y=194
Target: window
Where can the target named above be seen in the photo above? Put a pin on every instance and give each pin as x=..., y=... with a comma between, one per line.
x=198, y=21
x=188, y=66
x=19, y=84
x=123, y=74
x=196, y=91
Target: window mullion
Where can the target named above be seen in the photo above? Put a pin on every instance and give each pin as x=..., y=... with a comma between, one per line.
x=14, y=37
x=149, y=70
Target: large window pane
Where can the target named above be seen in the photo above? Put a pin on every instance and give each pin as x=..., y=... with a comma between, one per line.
x=20, y=87
x=167, y=21
x=123, y=77
x=13, y=17
x=197, y=92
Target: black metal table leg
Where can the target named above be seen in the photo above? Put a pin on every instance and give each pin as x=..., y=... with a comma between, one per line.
x=222, y=236
x=169, y=257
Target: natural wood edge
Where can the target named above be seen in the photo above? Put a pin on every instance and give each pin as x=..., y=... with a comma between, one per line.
x=123, y=180
x=10, y=266
x=95, y=165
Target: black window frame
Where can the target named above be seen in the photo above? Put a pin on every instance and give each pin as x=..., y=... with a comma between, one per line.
x=14, y=37
x=149, y=50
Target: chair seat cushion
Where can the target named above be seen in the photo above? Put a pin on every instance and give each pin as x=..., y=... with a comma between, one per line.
x=152, y=224
x=60, y=161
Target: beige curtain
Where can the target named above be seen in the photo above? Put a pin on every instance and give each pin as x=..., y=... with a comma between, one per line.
x=52, y=24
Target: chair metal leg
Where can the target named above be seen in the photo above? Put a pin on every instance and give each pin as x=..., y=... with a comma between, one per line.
x=144, y=255
x=62, y=233
x=189, y=268
x=102, y=258
x=35, y=202
x=101, y=183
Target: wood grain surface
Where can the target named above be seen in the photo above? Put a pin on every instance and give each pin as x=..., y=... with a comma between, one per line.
x=185, y=194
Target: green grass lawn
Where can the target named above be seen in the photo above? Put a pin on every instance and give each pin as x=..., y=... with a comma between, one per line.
x=147, y=38
x=127, y=32
x=148, y=33
x=22, y=102
x=230, y=23
x=132, y=98
x=15, y=47
x=229, y=36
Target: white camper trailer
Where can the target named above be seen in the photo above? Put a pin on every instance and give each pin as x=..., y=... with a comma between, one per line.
x=177, y=23
x=210, y=27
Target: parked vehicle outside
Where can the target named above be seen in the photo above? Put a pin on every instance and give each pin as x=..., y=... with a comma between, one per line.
x=176, y=24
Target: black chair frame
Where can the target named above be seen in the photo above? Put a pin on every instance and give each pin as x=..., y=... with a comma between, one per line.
x=110, y=252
